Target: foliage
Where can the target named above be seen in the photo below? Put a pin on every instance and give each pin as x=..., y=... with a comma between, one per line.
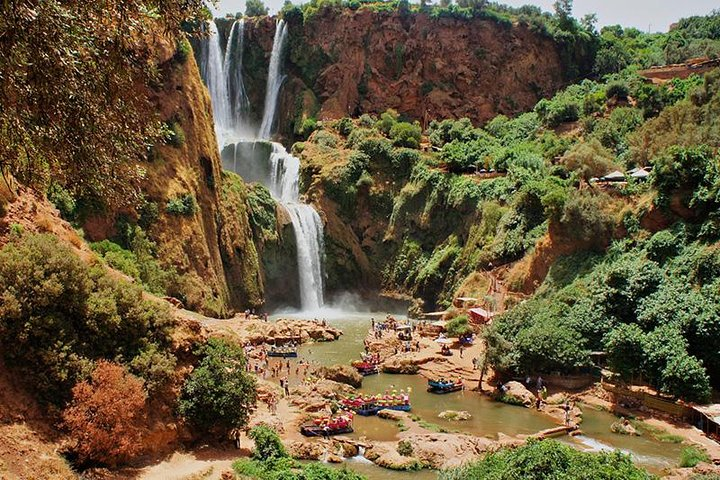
x=588, y=159
x=549, y=460
x=105, y=416
x=184, y=205
x=691, y=456
x=387, y=120
x=80, y=112
x=63, y=201
x=59, y=315
x=219, y=394
x=405, y=448
x=268, y=445
x=325, y=139
x=255, y=8
x=404, y=134
x=458, y=326
x=288, y=469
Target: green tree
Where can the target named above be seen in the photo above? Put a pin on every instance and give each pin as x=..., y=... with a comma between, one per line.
x=255, y=8
x=404, y=134
x=589, y=159
x=219, y=394
x=268, y=445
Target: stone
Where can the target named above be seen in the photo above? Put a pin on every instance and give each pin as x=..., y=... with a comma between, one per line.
x=516, y=394
x=341, y=374
x=455, y=416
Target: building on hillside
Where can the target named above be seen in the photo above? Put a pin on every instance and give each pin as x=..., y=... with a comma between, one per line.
x=480, y=316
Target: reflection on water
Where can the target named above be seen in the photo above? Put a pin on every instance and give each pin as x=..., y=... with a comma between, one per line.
x=488, y=418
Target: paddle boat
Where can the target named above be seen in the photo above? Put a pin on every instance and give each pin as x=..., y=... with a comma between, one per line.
x=327, y=426
x=371, y=405
x=283, y=352
x=366, y=368
x=444, y=386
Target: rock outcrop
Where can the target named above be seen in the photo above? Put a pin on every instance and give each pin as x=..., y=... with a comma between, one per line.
x=515, y=393
x=341, y=374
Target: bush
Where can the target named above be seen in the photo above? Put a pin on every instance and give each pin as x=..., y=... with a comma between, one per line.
x=618, y=90
x=548, y=459
x=405, y=448
x=405, y=134
x=154, y=366
x=63, y=201
x=366, y=121
x=105, y=416
x=325, y=139
x=345, y=126
x=691, y=456
x=589, y=159
x=58, y=315
x=387, y=121
x=184, y=205
x=309, y=125
x=268, y=445
x=182, y=50
x=175, y=135
x=219, y=394
x=458, y=326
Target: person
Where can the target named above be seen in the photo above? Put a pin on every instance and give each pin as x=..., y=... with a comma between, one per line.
x=527, y=380
x=475, y=363
x=461, y=351
x=372, y=322
x=539, y=383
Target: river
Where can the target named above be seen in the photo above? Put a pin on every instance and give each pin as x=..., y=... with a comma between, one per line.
x=489, y=418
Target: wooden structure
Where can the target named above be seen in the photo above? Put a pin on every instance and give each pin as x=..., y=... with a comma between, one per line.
x=480, y=316
x=707, y=419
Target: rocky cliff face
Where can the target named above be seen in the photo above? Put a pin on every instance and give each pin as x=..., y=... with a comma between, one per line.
x=213, y=247
x=426, y=68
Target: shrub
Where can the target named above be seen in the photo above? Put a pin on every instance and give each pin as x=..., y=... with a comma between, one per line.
x=366, y=121
x=691, y=456
x=549, y=459
x=105, y=416
x=182, y=50
x=219, y=394
x=184, y=205
x=325, y=139
x=309, y=125
x=154, y=366
x=387, y=121
x=458, y=326
x=345, y=126
x=268, y=445
x=175, y=135
x=63, y=201
x=618, y=90
x=404, y=134
x=58, y=315
x=405, y=448
x=589, y=159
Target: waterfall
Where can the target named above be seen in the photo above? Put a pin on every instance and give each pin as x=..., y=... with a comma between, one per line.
x=221, y=70
x=275, y=80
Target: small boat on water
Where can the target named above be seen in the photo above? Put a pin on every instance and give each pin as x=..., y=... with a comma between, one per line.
x=366, y=368
x=444, y=386
x=324, y=427
x=368, y=410
x=283, y=352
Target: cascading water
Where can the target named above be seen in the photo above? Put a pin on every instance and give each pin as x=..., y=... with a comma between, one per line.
x=275, y=80
x=221, y=70
x=223, y=76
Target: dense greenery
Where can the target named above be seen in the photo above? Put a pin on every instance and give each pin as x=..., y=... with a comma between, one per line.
x=58, y=315
x=219, y=394
x=271, y=461
x=69, y=104
x=549, y=460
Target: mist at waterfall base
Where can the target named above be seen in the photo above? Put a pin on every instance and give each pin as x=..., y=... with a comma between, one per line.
x=221, y=69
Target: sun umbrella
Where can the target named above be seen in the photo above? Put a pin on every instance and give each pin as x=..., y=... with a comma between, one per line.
x=444, y=341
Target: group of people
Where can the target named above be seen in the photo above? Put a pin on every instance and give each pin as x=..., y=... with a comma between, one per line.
x=388, y=399
x=336, y=422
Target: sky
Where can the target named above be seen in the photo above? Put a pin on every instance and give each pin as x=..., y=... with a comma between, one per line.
x=646, y=15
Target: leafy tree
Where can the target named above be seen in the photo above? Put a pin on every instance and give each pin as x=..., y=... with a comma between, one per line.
x=684, y=376
x=255, y=8
x=589, y=159
x=219, y=394
x=105, y=416
x=458, y=326
x=404, y=134
x=387, y=120
x=58, y=107
x=624, y=347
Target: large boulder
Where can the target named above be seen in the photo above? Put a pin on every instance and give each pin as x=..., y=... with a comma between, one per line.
x=515, y=393
x=341, y=374
x=317, y=396
x=455, y=416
